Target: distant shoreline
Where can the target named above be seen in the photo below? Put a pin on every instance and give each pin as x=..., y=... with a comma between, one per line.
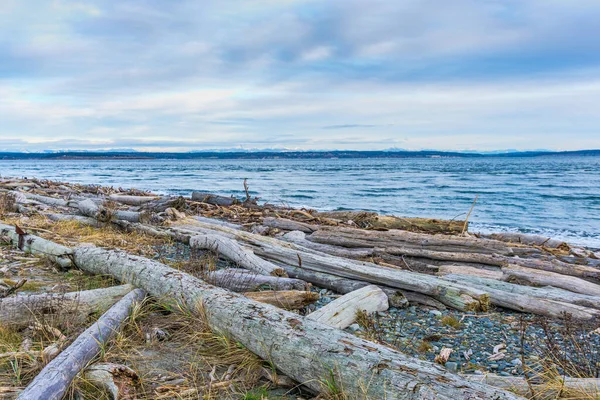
x=282, y=155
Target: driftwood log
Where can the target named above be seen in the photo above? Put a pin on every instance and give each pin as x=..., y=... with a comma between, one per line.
x=302, y=349
x=341, y=312
x=236, y=253
x=37, y=245
x=132, y=200
x=286, y=299
x=214, y=199
x=71, y=307
x=54, y=380
x=240, y=280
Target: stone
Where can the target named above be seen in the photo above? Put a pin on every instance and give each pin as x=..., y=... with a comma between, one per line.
x=517, y=362
x=436, y=313
x=452, y=366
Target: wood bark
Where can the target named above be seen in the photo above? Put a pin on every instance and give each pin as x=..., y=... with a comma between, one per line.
x=239, y=280
x=51, y=201
x=54, y=379
x=341, y=313
x=304, y=350
x=77, y=218
x=20, y=311
x=236, y=253
x=546, y=278
x=524, y=238
x=286, y=299
x=37, y=245
x=299, y=238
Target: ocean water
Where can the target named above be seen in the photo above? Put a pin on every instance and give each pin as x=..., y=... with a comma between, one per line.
x=554, y=196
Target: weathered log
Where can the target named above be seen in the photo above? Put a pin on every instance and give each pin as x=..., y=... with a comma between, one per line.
x=546, y=278
x=210, y=198
x=239, y=280
x=443, y=270
x=299, y=238
x=349, y=237
x=304, y=350
x=54, y=380
x=20, y=311
x=162, y=204
x=132, y=200
x=536, y=305
x=236, y=253
x=546, y=292
x=341, y=313
x=77, y=218
x=37, y=245
x=365, y=219
x=529, y=239
x=117, y=379
x=570, y=388
x=289, y=225
x=90, y=209
x=286, y=299
x=51, y=201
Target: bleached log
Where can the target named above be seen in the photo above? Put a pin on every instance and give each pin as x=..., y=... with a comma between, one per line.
x=39, y=246
x=536, y=305
x=443, y=270
x=20, y=311
x=90, y=209
x=546, y=292
x=299, y=238
x=546, y=278
x=162, y=204
x=304, y=350
x=341, y=313
x=286, y=299
x=54, y=380
x=288, y=225
x=239, y=280
x=51, y=201
x=132, y=200
x=236, y=253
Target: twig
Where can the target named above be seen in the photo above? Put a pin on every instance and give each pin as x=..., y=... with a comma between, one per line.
x=12, y=289
x=246, y=190
x=468, y=215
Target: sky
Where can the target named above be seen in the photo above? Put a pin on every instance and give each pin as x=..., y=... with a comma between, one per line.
x=179, y=75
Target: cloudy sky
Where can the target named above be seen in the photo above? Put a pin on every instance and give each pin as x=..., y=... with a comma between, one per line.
x=373, y=74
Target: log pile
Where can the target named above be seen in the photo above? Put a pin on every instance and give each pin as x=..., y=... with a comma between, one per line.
x=374, y=261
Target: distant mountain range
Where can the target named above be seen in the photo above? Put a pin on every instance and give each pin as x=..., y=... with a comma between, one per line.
x=275, y=154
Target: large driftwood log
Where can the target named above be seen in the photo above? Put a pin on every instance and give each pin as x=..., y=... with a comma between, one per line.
x=546, y=292
x=239, y=280
x=302, y=349
x=341, y=313
x=54, y=380
x=286, y=299
x=365, y=219
x=72, y=307
x=162, y=204
x=236, y=253
x=37, y=245
x=51, y=201
x=546, y=278
x=299, y=238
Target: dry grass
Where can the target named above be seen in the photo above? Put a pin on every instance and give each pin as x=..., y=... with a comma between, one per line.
x=450, y=321
x=71, y=233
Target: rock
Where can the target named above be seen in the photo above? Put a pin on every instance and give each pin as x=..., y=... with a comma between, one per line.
x=452, y=366
x=517, y=362
x=354, y=327
x=436, y=313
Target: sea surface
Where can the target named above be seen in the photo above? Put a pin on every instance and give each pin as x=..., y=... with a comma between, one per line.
x=557, y=196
